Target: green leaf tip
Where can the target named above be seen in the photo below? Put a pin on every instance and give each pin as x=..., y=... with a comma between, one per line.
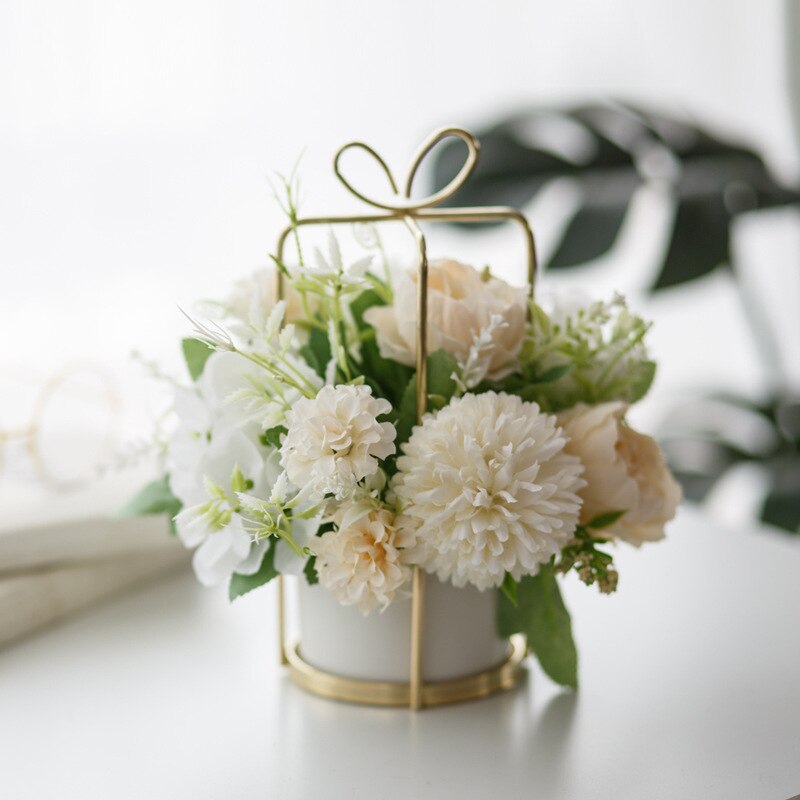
x=509, y=588
x=195, y=353
x=604, y=520
x=272, y=436
x=154, y=498
x=242, y=584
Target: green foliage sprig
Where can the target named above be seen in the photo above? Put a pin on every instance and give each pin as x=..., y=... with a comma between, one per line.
x=582, y=554
x=592, y=355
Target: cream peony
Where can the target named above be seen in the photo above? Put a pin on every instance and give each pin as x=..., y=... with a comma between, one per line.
x=334, y=440
x=625, y=471
x=360, y=564
x=462, y=304
x=486, y=488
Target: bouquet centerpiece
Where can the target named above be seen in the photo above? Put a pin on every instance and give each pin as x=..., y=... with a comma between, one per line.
x=366, y=428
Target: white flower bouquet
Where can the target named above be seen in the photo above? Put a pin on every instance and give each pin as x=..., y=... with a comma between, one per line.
x=298, y=449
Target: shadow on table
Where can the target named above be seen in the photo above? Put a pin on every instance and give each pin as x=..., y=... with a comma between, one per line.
x=462, y=750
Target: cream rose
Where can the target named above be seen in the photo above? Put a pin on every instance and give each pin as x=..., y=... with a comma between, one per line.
x=624, y=470
x=462, y=304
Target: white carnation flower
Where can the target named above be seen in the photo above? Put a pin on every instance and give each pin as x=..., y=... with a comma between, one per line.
x=334, y=440
x=360, y=563
x=486, y=488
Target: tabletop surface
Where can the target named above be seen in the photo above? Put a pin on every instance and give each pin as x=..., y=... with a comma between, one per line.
x=690, y=688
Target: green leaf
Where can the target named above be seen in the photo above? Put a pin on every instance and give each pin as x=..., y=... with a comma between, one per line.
x=318, y=349
x=604, y=520
x=540, y=319
x=310, y=571
x=238, y=481
x=311, y=359
x=365, y=300
x=554, y=373
x=441, y=388
x=541, y=615
x=272, y=437
x=406, y=412
x=391, y=377
x=509, y=588
x=441, y=366
x=242, y=584
x=196, y=354
x=644, y=380
x=155, y=498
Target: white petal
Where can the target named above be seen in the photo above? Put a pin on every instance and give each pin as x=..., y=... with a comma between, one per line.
x=215, y=560
x=191, y=527
x=252, y=563
x=287, y=562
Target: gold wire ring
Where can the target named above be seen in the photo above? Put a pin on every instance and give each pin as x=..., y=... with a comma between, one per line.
x=390, y=693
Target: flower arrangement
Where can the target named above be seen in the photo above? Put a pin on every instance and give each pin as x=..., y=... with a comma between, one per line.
x=298, y=449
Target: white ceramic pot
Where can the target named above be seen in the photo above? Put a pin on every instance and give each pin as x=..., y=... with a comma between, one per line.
x=460, y=636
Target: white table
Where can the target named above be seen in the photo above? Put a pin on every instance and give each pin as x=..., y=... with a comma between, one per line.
x=690, y=688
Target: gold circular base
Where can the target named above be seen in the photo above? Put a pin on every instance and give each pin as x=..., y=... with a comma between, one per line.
x=387, y=693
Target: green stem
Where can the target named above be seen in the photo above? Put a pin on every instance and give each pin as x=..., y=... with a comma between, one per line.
x=279, y=375
x=617, y=358
x=287, y=537
x=338, y=324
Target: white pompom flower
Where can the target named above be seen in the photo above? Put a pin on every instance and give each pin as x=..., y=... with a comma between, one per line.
x=361, y=563
x=486, y=489
x=334, y=440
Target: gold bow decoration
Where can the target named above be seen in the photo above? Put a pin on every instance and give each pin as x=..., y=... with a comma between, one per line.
x=403, y=204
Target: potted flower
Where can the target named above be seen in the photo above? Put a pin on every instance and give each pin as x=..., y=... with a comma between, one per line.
x=427, y=449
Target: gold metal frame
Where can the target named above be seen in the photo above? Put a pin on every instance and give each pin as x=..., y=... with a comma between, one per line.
x=402, y=208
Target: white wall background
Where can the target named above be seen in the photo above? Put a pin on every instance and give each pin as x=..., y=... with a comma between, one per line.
x=136, y=136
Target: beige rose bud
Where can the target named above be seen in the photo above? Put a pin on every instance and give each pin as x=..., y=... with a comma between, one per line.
x=461, y=303
x=624, y=471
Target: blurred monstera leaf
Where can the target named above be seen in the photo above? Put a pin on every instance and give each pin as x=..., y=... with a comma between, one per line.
x=711, y=435
x=609, y=152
